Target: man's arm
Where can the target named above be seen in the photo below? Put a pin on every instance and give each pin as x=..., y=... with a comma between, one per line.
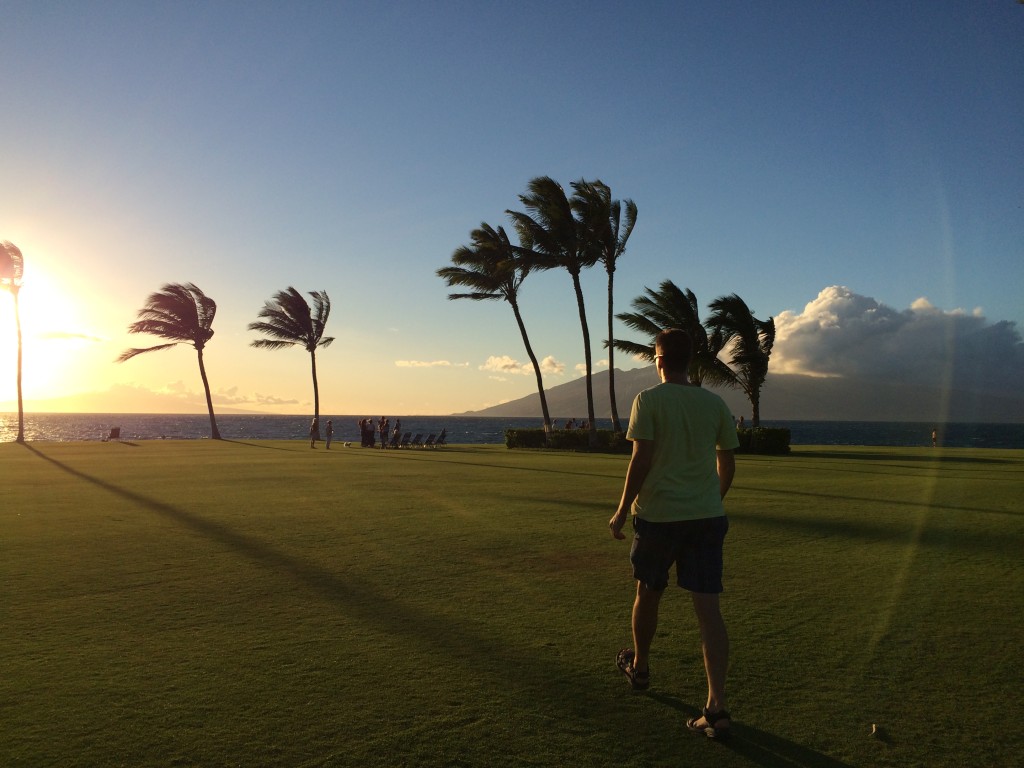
x=639, y=467
x=726, y=470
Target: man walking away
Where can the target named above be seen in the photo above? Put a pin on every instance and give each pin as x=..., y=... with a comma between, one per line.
x=680, y=471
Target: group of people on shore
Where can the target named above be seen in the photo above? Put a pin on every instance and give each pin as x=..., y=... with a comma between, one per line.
x=369, y=430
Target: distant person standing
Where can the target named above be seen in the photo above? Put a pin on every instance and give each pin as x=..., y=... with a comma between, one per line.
x=314, y=429
x=680, y=471
x=329, y=433
x=382, y=428
x=935, y=437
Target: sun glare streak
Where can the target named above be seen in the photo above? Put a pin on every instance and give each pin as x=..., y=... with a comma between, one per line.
x=899, y=581
x=902, y=573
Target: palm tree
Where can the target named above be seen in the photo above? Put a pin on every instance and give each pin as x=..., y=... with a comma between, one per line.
x=553, y=238
x=493, y=269
x=183, y=314
x=749, y=341
x=288, y=321
x=12, y=267
x=670, y=307
x=607, y=233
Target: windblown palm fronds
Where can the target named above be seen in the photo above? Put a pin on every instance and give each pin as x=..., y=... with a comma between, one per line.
x=494, y=269
x=288, y=320
x=184, y=314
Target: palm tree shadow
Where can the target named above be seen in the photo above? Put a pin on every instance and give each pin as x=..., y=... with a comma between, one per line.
x=254, y=445
x=362, y=600
x=755, y=745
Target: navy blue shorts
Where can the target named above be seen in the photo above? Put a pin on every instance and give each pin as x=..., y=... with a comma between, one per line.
x=695, y=546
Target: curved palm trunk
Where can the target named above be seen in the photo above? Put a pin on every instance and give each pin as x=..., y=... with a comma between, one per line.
x=592, y=437
x=536, y=370
x=214, y=432
x=21, y=407
x=316, y=396
x=611, y=355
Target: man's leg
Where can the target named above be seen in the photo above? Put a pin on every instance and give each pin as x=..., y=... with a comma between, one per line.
x=715, y=642
x=645, y=624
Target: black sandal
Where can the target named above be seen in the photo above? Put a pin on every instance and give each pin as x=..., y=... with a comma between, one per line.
x=711, y=719
x=624, y=661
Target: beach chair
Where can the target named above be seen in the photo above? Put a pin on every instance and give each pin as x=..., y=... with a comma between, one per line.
x=429, y=442
x=394, y=441
x=442, y=439
x=417, y=442
x=115, y=434
x=405, y=440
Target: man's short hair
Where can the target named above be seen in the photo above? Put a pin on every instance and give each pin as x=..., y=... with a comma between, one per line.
x=675, y=347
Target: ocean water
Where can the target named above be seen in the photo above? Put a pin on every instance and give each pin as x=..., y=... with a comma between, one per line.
x=469, y=429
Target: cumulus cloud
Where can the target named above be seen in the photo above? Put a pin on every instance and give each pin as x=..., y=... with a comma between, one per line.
x=503, y=364
x=429, y=364
x=550, y=366
x=844, y=334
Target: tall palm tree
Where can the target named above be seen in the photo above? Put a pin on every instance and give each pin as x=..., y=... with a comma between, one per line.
x=553, y=238
x=607, y=232
x=671, y=307
x=494, y=270
x=749, y=341
x=288, y=321
x=183, y=314
x=12, y=267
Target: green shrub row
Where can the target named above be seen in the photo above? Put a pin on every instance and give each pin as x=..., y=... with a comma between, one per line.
x=763, y=440
x=759, y=440
x=608, y=441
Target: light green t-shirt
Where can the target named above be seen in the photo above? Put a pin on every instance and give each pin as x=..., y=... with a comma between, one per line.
x=687, y=425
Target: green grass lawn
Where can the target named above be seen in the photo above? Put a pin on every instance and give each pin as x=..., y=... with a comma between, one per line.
x=207, y=603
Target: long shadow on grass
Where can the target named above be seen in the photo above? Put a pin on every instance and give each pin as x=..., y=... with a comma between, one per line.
x=875, y=500
x=884, y=456
x=891, y=469
x=479, y=654
x=757, y=746
x=255, y=445
x=939, y=538
x=410, y=456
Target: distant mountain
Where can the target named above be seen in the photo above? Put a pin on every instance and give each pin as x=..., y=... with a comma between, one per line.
x=786, y=397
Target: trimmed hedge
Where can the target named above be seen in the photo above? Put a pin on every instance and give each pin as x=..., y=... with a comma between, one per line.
x=773, y=440
x=608, y=441
x=759, y=440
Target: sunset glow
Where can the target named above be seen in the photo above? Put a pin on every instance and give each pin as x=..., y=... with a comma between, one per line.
x=801, y=156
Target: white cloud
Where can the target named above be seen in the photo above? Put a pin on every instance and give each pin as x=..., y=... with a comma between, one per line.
x=550, y=366
x=844, y=334
x=504, y=364
x=429, y=364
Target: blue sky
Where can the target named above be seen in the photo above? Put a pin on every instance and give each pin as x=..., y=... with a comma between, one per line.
x=774, y=150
